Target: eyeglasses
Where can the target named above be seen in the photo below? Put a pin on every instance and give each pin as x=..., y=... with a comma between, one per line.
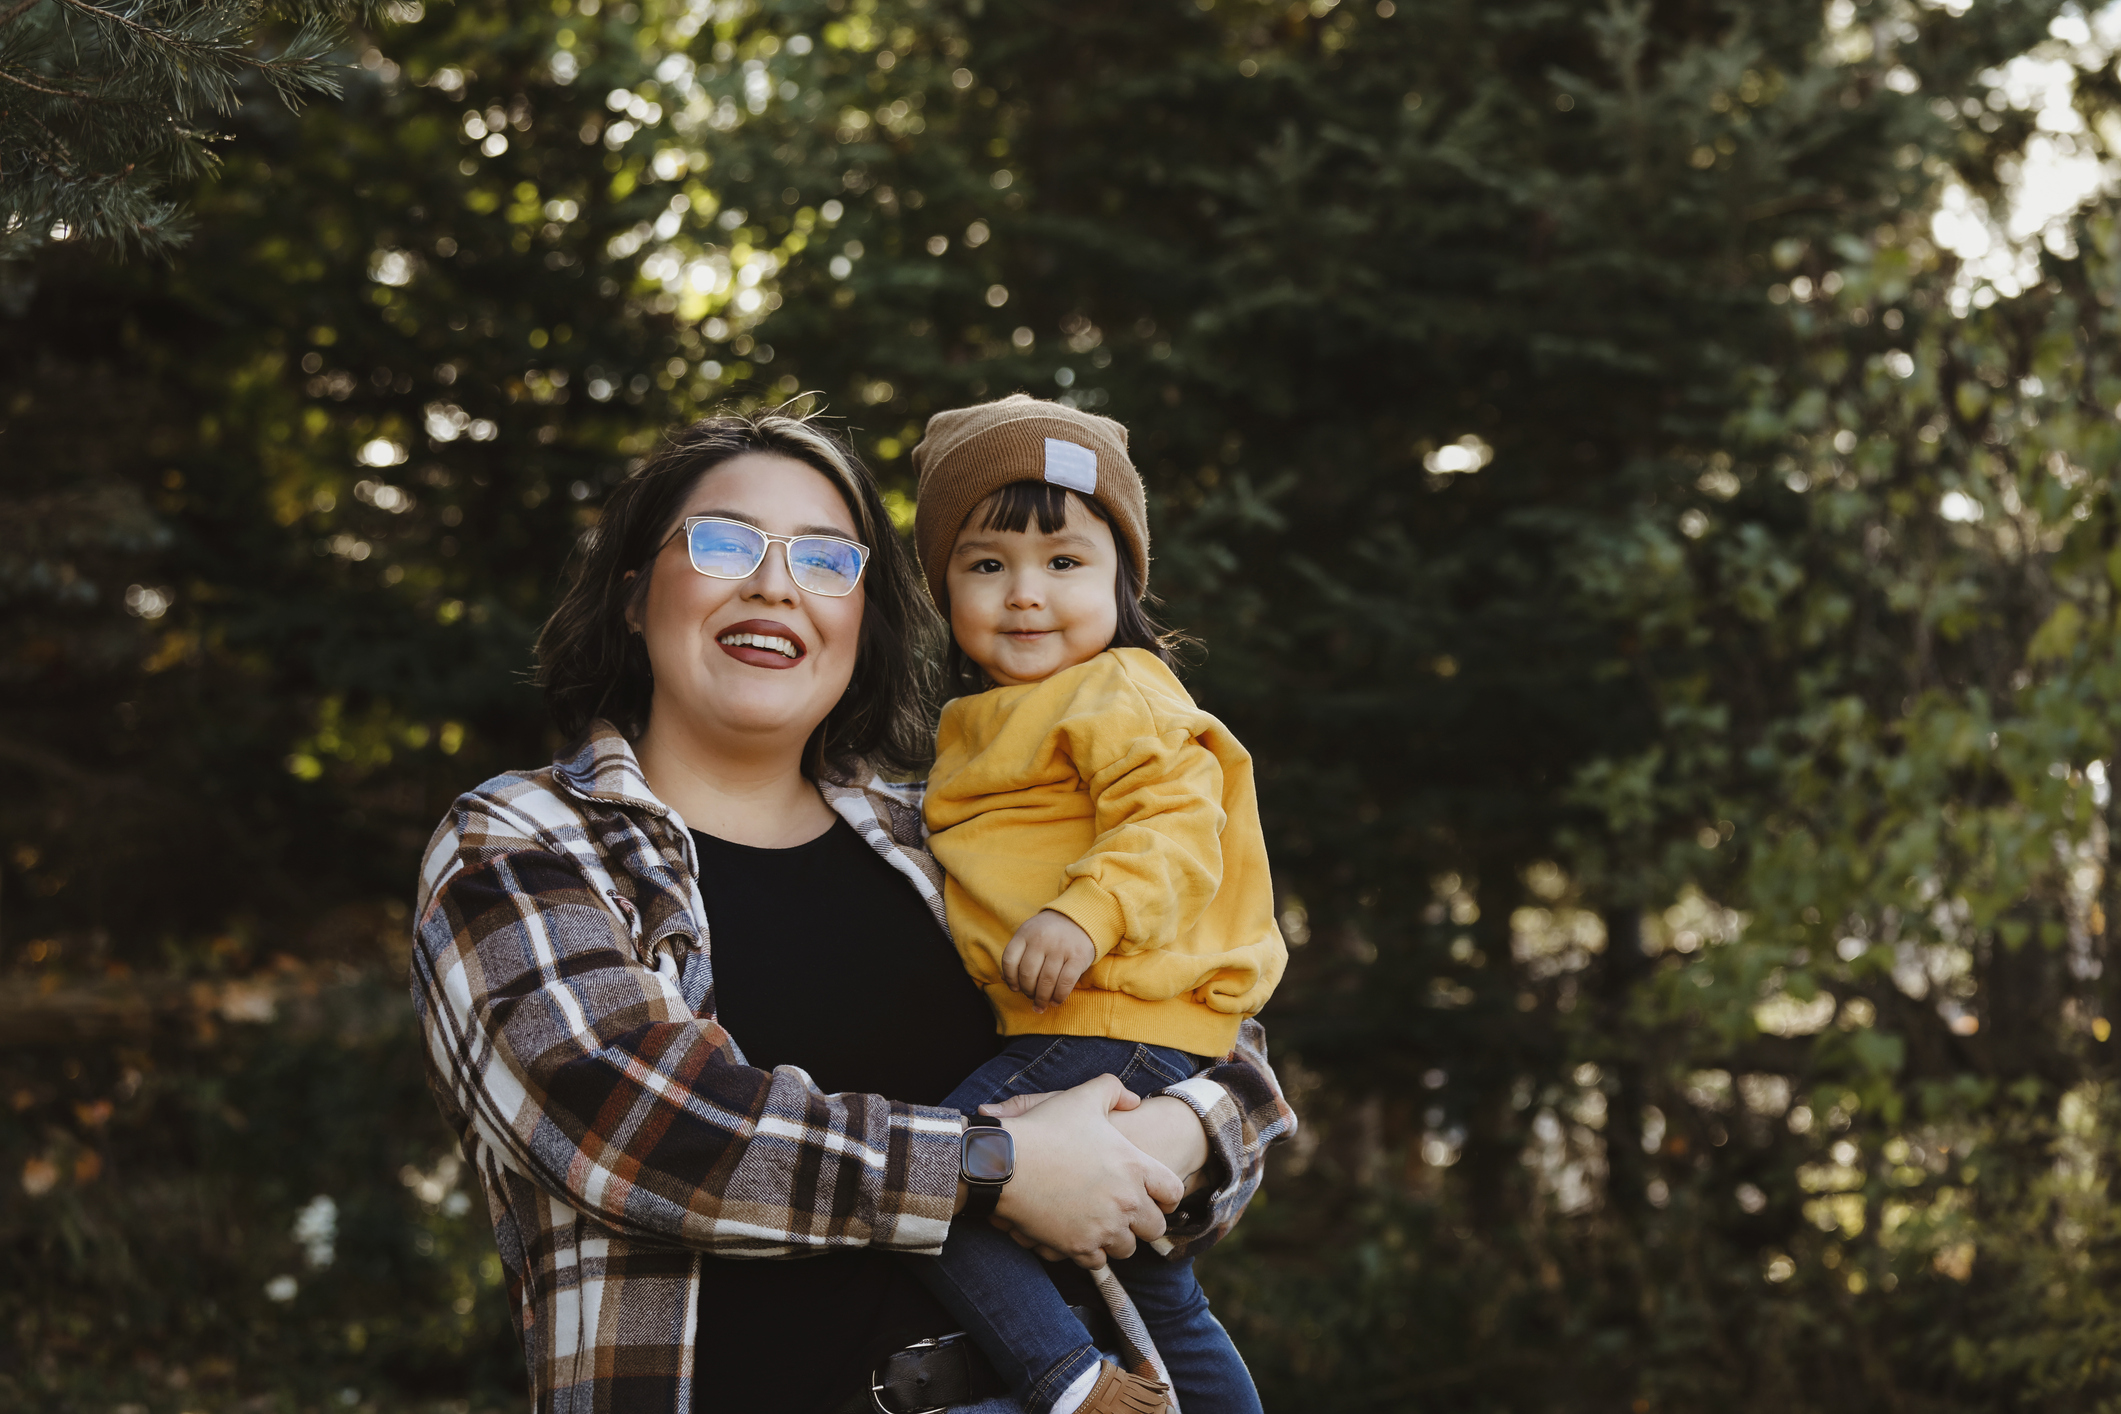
x=730, y=549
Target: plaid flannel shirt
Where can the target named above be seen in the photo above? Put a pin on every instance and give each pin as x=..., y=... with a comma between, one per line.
x=562, y=976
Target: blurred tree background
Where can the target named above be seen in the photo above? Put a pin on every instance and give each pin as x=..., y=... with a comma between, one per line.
x=1645, y=475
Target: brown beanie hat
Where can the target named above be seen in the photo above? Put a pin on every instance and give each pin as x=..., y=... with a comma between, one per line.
x=970, y=453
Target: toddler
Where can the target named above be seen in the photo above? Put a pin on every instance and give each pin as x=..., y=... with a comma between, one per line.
x=1107, y=877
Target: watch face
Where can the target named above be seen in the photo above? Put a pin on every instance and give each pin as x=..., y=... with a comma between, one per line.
x=990, y=1156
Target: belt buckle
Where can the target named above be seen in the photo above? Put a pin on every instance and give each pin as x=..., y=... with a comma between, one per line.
x=876, y=1390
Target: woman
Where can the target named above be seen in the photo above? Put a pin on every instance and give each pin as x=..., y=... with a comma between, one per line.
x=738, y=656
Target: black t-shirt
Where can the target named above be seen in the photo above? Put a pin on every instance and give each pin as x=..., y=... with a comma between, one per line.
x=825, y=957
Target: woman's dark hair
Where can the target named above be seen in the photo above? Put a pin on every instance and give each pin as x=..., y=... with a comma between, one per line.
x=591, y=665
x=1011, y=509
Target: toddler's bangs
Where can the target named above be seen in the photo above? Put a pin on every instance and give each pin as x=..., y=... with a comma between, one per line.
x=1012, y=508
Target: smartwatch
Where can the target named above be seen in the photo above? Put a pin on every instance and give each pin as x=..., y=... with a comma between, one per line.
x=986, y=1159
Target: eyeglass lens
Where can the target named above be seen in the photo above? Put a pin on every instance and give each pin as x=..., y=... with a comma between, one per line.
x=731, y=550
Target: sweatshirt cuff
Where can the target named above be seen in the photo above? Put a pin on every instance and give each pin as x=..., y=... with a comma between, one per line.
x=1094, y=911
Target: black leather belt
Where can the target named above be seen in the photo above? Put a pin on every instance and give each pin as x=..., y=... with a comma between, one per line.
x=931, y=1375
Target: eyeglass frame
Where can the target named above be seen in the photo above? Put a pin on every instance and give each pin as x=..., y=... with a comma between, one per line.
x=786, y=542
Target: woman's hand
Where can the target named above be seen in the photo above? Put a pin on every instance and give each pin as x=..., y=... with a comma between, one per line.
x=1165, y=1129
x=1082, y=1191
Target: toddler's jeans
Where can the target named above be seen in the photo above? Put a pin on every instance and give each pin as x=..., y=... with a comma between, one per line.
x=1008, y=1303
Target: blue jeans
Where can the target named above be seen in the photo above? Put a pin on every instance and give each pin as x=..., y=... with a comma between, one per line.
x=1009, y=1304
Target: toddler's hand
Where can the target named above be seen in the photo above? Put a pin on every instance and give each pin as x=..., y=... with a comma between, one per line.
x=1046, y=957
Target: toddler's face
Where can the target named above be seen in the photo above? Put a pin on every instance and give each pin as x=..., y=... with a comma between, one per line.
x=1025, y=604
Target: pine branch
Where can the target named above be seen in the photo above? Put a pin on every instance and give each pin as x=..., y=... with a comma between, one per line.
x=75, y=94
x=106, y=93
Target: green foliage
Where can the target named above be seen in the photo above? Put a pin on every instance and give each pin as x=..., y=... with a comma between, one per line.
x=190, y=1239
x=1670, y=596
x=102, y=107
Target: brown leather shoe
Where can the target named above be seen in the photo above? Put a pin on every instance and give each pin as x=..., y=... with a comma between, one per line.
x=1117, y=1392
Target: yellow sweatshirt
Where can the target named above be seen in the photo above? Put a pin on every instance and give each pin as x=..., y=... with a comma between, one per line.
x=1105, y=794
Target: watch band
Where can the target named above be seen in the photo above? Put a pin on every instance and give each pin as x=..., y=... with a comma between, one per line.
x=981, y=1194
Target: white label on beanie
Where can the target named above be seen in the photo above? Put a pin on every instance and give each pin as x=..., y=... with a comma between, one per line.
x=1071, y=466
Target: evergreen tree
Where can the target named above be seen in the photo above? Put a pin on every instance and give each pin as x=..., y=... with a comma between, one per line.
x=1670, y=598
x=106, y=106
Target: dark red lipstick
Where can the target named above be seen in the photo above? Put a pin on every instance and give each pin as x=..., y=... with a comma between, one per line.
x=763, y=643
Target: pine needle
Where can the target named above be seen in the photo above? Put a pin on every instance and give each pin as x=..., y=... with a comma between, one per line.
x=100, y=102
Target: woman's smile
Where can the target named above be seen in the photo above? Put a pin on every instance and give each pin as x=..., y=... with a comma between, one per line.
x=763, y=643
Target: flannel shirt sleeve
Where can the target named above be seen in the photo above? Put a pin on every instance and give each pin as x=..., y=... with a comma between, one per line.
x=1240, y=1104
x=587, y=1072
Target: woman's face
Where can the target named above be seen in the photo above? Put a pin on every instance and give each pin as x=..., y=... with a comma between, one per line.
x=740, y=696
